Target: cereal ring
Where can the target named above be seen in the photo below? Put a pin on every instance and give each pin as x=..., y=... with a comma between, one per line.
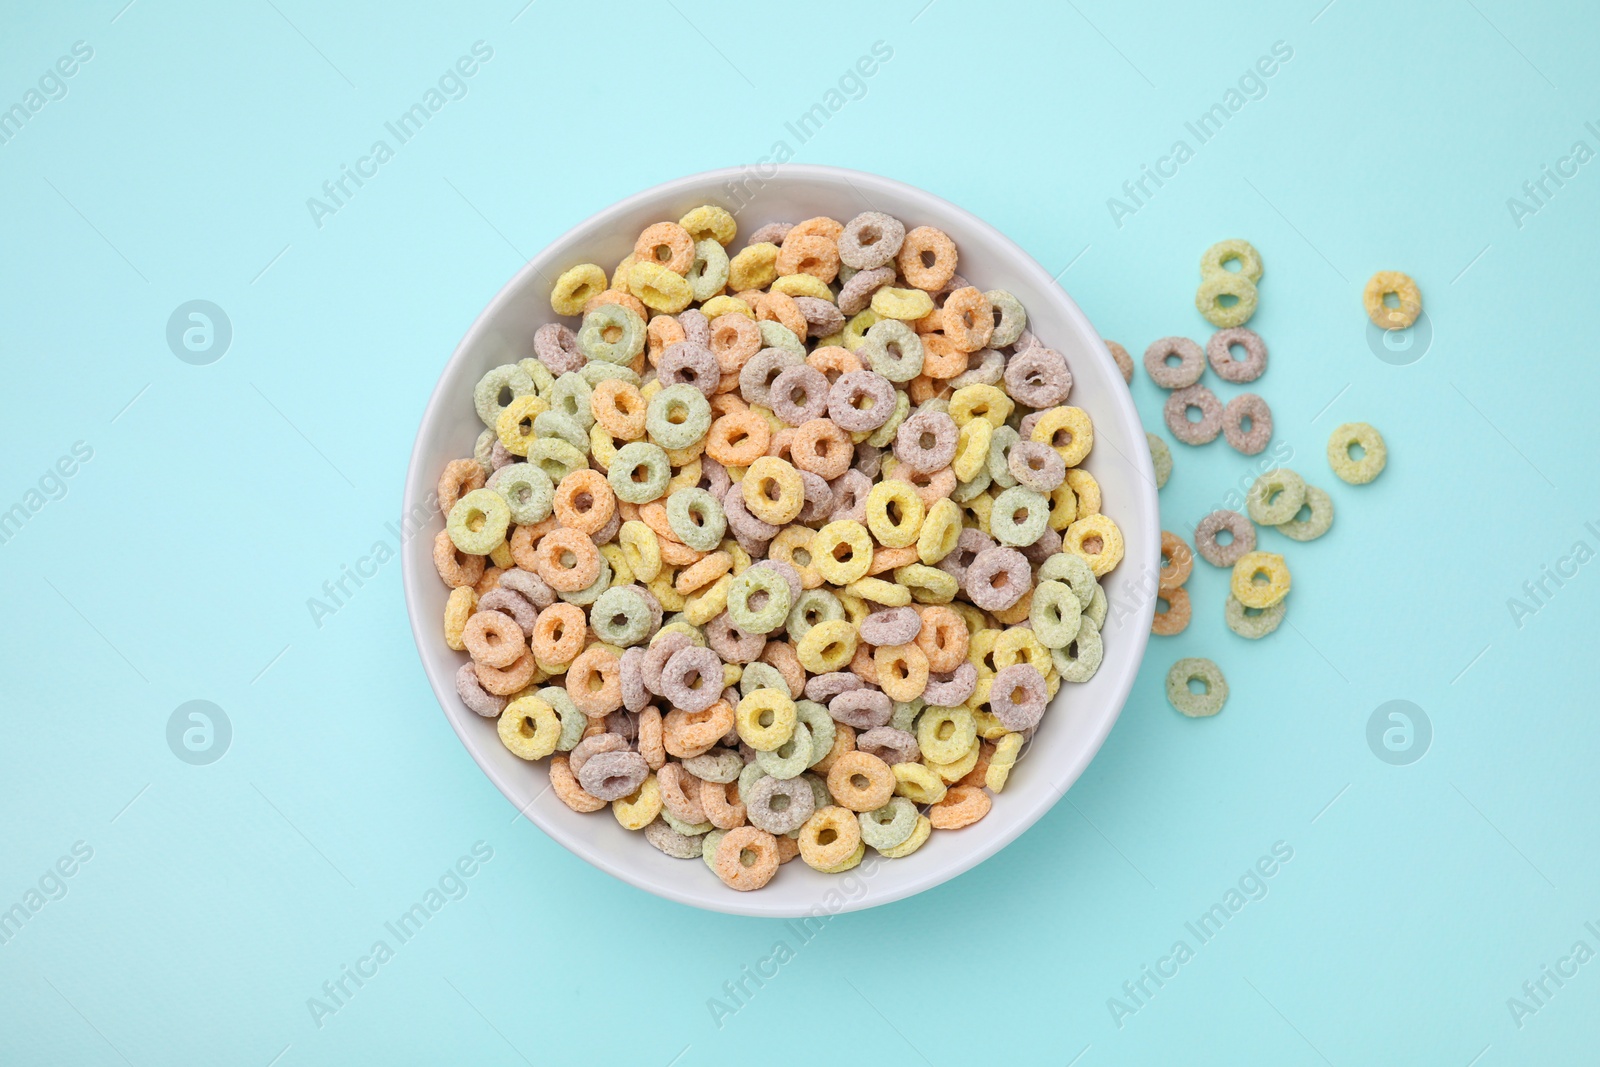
x=902, y=670
x=1394, y=283
x=567, y=560
x=677, y=416
x=691, y=679
x=1247, y=407
x=1190, y=362
x=612, y=333
x=746, y=858
x=1254, y=594
x=762, y=370
x=1176, y=413
x=799, y=394
x=493, y=638
x=812, y=254
x=594, y=683
x=1316, y=524
x=759, y=600
x=1375, y=454
x=556, y=346
x=822, y=448
x=1241, y=532
x=564, y=784
x=667, y=244
x=893, y=350
x=1177, y=562
x=528, y=492
x=891, y=626
x=1208, y=299
x=613, y=775
x=509, y=380
x=1123, y=360
x=574, y=288
x=1276, y=497
x=1068, y=430
x=962, y=806
x=696, y=518
x=1253, y=626
x=894, y=514
x=1055, y=614
x=765, y=718
x=926, y=442
x=584, y=501
x=827, y=646
x=842, y=552
x=1038, y=377
x=1081, y=658
x=1019, y=517
x=1160, y=458
x=659, y=287
x=1011, y=320
x=856, y=294
x=686, y=363
x=927, y=258
x=890, y=825
x=861, y=400
x=711, y=221
x=1213, y=259
x=460, y=476
x=473, y=695
x=1185, y=699
x=558, y=634
x=779, y=805
x=1018, y=696
x=530, y=728
x=639, y=472
x=861, y=781
x=478, y=522
x=773, y=490
x=734, y=340
x=1175, y=619
x=968, y=319
x=823, y=318
x=621, y=616
x=1080, y=539
x=665, y=839
x=1033, y=464
x=870, y=240
x=686, y=733
x=996, y=578
x=1219, y=350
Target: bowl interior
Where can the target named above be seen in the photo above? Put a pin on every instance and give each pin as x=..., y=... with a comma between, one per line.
x=1080, y=716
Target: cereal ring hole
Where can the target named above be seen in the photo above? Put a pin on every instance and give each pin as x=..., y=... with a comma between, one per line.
x=1198, y=685
x=828, y=835
x=1092, y=544
x=1226, y=300
x=748, y=857
x=1354, y=450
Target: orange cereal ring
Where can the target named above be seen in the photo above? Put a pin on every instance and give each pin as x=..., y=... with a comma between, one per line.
x=782, y=444
x=558, y=633
x=720, y=801
x=922, y=388
x=1180, y=560
x=941, y=359
x=832, y=361
x=968, y=319
x=455, y=567
x=662, y=331
x=567, y=560
x=822, y=447
x=782, y=656
x=812, y=254
x=1166, y=623
x=746, y=858
x=819, y=226
x=927, y=258
x=655, y=756
x=617, y=296
x=584, y=501
x=830, y=836
x=594, y=682
x=788, y=848
x=979, y=774
x=489, y=579
x=680, y=793
x=701, y=574
x=494, y=638
x=734, y=339
x=962, y=805
x=888, y=559
x=525, y=539
x=502, y=682
x=902, y=672
x=619, y=408
x=780, y=308
x=738, y=438
x=564, y=784
x=678, y=554
x=727, y=403
x=668, y=244
x=844, y=740
x=459, y=477
x=943, y=638
x=689, y=733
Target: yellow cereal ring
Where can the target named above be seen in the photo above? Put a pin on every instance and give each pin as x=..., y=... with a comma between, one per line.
x=847, y=863
x=659, y=287
x=619, y=277
x=990, y=728
x=1097, y=539
x=919, y=836
x=880, y=592
x=830, y=837
x=621, y=573
x=917, y=783
x=765, y=719
x=793, y=546
x=894, y=513
x=941, y=529
x=509, y=426
x=755, y=267
x=500, y=555
x=575, y=287
x=841, y=552
x=907, y=305
x=708, y=604
x=1067, y=430
x=641, y=550
x=803, y=285
x=773, y=491
x=602, y=446
x=976, y=512
x=1086, y=489
x=711, y=221
x=1019, y=645
x=1406, y=293
x=530, y=728
x=722, y=305
x=980, y=401
x=827, y=646
x=457, y=610
x=855, y=331
x=1063, y=507
x=972, y=449
x=686, y=478
x=1261, y=595
x=639, y=810
x=855, y=609
x=927, y=585
x=945, y=734
x=958, y=769
x=1006, y=751
x=665, y=592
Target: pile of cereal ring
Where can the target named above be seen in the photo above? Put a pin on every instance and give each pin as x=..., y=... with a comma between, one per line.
x=780, y=553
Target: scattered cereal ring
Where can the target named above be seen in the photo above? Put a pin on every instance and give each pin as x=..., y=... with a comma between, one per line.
x=1242, y=538
x=1256, y=626
x=1276, y=497
x=1175, y=619
x=1161, y=459
x=1386, y=283
x=1178, y=561
x=1214, y=259
x=1247, y=407
x=1191, y=362
x=1219, y=350
x=1123, y=360
x=1253, y=565
x=1176, y=413
x=1190, y=703
x=1208, y=299
x=1316, y=524
x=1375, y=454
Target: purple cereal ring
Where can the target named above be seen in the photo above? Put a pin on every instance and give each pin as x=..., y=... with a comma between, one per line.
x=756, y=376
x=799, y=803
x=824, y=687
x=947, y=689
x=686, y=363
x=713, y=477
x=926, y=442
x=500, y=456
x=868, y=459
x=692, y=679
x=1018, y=696
x=1038, y=377
x=634, y=695
x=819, y=499
x=650, y=601
x=1245, y=406
x=790, y=575
x=1241, y=529
x=856, y=293
x=696, y=327
x=870, y=240
x=1220, y=351
x=771, y=233
x=862, y=708
x=969, y=545
x=472, y=694
x=997, y=578
x=592, y=746
x=613, y=775
x=732, y=643
x=1176, y=412
x=557, y=348
x=891, y=626
x=890, y=745
x=822, y=317
x=1037, y=466
x=860, y=400
x=656, y=656
x=513, y=604
x=1025, y=427
x=1049, y=544
x=1191, y=362
x=623, y=723
x=799, y=394
x=984, y=367
x=741, y=522
x=530, y=585
x=850, y=491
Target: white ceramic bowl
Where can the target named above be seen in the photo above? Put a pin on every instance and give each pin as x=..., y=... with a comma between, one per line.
x=1081, y=715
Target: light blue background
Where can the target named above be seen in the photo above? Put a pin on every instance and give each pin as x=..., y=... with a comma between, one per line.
x=219, y=498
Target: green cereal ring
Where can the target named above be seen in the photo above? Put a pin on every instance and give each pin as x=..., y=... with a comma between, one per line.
x=999, y=458
x=1073, y=569
x=1055, y=614
x=820, y=792
x=890, y=825
x=709, y=271
x=790, y=758
x=570, y=396
x=1161, y=456
x=1095, y=609
x=892, y=349
x=928, y=585
x=1081, y=658
x=478, y=522
x=1019, y=516
x=678, y=416
x=760, y=675
x=1251, y=622
x=883, y=436
x=1013, y=319
x=811, y=607
x=759, y=614
x=696, y=517
x=597, y=324
x=1213, y=259
x=557, y=458
x=486, y=394
x=527, y=490
x=965, y=491
x=1207, y=299
x=639, y=472
x=815, y=717
x=748, y=777
x=708, y=846
x=777, y=335
x=562, y=426
x=621, y=616
x=904, y=716
x=687, y=829
x=542, y=378
x=1276, y=497
x=1309, y=529
x=1369, y=466
x=591, y=592
x=595, y=373
x=573, y=721
x=483, y=450
x=1196, y=705
x=718, y=765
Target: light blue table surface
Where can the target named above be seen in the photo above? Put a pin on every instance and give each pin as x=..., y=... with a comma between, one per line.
x=1431, y=910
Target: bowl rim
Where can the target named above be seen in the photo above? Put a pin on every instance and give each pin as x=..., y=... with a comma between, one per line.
x=750, y=904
